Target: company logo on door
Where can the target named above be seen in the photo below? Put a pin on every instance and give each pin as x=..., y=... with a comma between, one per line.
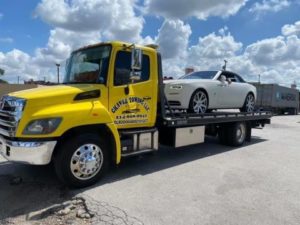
x=131, y=115
x=126, y=101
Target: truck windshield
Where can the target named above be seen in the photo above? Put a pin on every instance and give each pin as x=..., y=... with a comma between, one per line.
x=88, y=65
x=200, y=75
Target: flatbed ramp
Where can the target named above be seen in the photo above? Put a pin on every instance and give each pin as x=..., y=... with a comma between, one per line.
x=185, y=119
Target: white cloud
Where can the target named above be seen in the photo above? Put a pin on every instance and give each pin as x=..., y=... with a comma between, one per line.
x=199, y=9
x=60, y=44
x=7, y=40
x=115, y=19
x=215, y=46
x=269, y=6
x=173, y=38
x=17, y=63
x=274, y=51
x=290, y=29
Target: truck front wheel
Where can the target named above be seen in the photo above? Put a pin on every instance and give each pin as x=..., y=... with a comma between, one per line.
x=81, y=161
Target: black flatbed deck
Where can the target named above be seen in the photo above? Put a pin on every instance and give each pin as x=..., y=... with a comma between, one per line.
x=185, y=119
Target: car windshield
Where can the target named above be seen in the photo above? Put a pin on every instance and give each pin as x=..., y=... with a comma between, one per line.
x=88, y=65
x=200, y=75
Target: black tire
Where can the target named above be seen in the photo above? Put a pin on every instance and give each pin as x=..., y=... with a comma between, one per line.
x=88, y=147
x=236, y=134
x=200, y=93
x=249, y=104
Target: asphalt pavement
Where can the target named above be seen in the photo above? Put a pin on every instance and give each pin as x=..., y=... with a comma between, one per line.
x=208, y=183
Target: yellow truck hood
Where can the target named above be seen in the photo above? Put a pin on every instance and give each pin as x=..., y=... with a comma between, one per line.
x=53, y=94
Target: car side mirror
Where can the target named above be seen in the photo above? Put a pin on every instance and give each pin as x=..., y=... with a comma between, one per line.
x=222, y=78
x=229, y=80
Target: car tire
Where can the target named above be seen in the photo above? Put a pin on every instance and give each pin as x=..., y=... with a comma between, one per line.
x=249, y=103
x=81, y=161
x=198, y=102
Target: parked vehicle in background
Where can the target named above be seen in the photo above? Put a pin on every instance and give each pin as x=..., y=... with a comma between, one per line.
x=276, y=98
x=203, y=91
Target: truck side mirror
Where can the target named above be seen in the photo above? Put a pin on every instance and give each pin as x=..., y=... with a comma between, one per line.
x=136, y=59
x=135, y=76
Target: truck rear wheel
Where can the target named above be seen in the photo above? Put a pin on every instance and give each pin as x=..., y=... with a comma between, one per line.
x=233, y=134
x=237, y=134
x=81, y=161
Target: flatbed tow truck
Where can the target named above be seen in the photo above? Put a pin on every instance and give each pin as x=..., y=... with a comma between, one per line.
x=110, y=106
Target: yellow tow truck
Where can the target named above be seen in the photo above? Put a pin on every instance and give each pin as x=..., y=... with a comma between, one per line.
x=111, y=105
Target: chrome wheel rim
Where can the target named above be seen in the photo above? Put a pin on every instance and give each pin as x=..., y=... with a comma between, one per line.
x=86, y=161
x=250, y=103
x=200, y=102
x=241, y=133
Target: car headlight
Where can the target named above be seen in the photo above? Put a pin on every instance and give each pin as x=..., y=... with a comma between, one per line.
x=176, y=86
x=42, y=126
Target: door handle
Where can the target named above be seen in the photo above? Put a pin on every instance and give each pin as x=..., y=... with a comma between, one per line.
x=147, y=98
x=222, y=85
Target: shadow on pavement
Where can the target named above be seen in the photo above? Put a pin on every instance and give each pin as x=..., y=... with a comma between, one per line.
x=168, y=157
x=25, y=189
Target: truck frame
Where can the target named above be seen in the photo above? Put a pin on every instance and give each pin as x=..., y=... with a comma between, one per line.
x=84, y=126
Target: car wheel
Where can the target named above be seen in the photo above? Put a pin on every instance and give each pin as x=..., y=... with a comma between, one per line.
x=198, y=102
x=81, y=161
x=249, y=104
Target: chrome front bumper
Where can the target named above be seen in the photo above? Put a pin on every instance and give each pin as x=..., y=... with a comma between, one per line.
x=34, y=153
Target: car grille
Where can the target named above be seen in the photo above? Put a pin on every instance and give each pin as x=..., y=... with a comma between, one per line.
x=11, y=109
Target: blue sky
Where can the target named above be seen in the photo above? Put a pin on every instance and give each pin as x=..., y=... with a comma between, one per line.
x=36, y=31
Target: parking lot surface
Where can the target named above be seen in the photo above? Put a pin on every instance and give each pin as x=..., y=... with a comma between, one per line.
x=209, y=183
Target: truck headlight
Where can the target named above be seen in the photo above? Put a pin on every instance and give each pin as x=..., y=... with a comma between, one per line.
x=42, y=126
x=176, y=86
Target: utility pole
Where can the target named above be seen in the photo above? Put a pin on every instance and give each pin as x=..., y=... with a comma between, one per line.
x=258, y=78
x=58, y=65
x=18, y=79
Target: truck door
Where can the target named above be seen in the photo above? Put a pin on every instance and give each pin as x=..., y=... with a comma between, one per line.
x=132, y=102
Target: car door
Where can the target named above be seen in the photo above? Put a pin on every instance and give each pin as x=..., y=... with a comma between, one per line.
x=230, y=91
x=131, y=101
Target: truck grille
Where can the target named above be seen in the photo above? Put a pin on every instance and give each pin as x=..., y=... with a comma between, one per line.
x=11, y=109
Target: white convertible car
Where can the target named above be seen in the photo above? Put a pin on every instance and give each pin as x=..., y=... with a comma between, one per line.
x=203, y=91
